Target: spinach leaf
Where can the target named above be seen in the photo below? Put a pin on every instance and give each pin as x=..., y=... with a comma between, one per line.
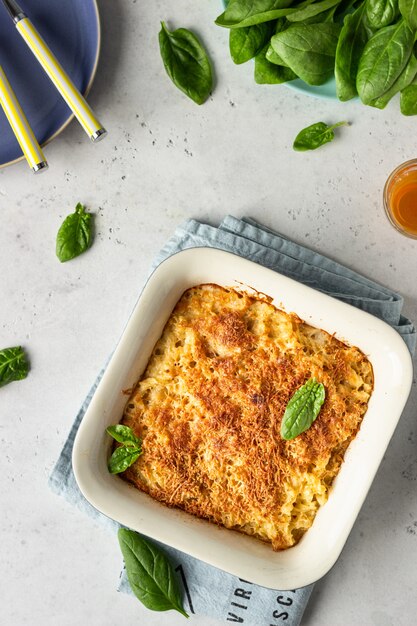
x=13, y=365
x=75, y=234
x=305, y=13
x=408, y=10
x=385, y=56
x=246, y=43
x=408, y=100
x=273, y=57
x=309, y=50
x=150, y=574
x=270, y=54
x=240, y=13
x=302, y=409
x=125, y=455
x=267, y=73
x=352, y=41
x=325, y=16
x=381, y=13
x=186, y=63
x=404, y=79
x=316, y=135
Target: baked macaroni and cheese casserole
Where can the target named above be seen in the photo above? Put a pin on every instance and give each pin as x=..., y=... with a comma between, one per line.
x=209, y=408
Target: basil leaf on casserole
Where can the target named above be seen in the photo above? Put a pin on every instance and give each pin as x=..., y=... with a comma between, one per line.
x=302, y=409
x=128, y=452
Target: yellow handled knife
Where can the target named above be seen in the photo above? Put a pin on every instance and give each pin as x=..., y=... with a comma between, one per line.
x=56, y=73
x=18, y=121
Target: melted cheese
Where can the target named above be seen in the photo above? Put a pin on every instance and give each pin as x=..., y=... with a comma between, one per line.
x=209, y=408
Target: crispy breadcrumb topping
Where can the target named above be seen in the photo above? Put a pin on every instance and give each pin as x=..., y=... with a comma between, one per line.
x=209, y=408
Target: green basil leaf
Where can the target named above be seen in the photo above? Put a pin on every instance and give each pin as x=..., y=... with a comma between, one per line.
x=408, y=100
x=150, y=574
x=241, y=13
x=186, y=63
x=309, y=50
x=302, y=409
x=385, y=56
x=381, y=13
x=312, y=10
x=122, y=458
x=74, y=235
x=404, y=79
x=123, y=434
x=125, y=455
x=267, y=73
x=13, y=365
x=352, y=41
x=246, y=43
x=408, y=10
x=314, y=136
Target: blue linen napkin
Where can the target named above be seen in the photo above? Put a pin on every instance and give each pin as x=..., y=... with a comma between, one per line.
x=208, y=590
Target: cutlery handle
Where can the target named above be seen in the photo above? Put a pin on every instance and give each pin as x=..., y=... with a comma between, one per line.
x=61, y=80
x=18, y=121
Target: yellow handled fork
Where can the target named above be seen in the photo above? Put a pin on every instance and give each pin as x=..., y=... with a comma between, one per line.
x=56, y=73
x=21, y=128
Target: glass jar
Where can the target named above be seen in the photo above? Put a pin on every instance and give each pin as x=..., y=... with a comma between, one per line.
x=400, y=198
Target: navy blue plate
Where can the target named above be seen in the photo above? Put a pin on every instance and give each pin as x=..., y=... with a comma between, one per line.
x=71, y=28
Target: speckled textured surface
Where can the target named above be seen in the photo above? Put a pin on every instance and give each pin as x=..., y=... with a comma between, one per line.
x=167, y=159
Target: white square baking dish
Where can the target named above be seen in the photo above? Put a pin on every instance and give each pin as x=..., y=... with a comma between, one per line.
x=234, y=552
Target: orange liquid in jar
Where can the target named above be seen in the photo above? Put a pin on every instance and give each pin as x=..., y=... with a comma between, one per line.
x=401, y=198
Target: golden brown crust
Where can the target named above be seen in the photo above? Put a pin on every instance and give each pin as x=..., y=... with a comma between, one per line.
x=209, y=409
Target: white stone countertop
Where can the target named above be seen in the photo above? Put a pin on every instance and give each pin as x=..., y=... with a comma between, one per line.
x=165, y=160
